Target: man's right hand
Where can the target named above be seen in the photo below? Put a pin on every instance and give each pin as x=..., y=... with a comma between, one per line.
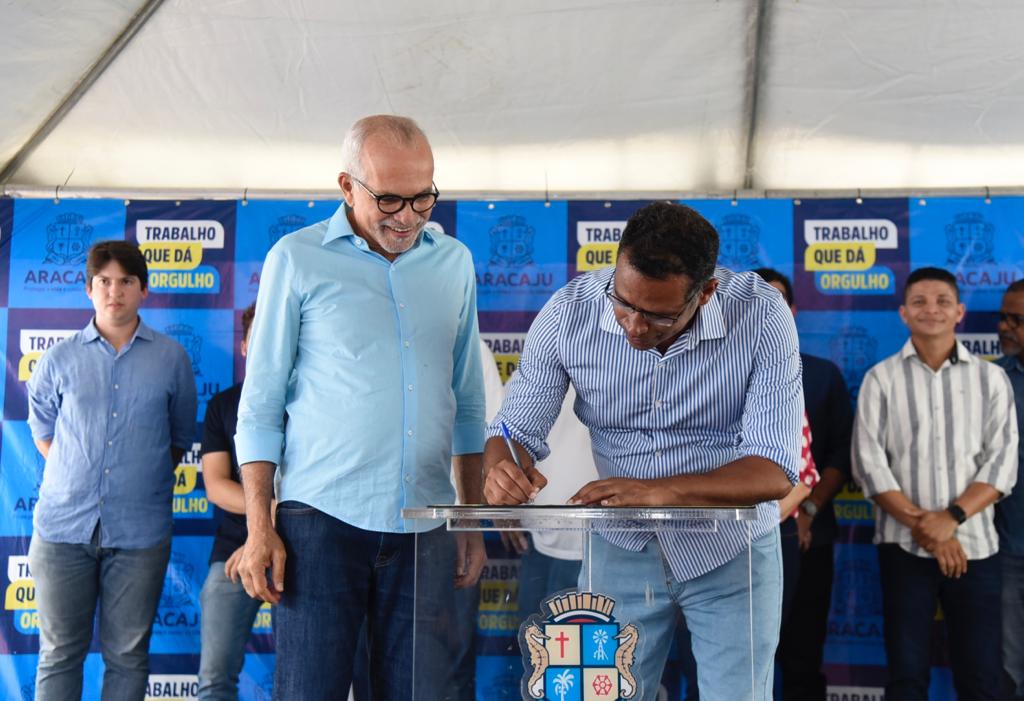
x=506, y=484
x=951, y=558
x=263, y=550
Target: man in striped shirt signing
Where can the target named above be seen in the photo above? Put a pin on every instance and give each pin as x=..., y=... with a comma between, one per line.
x=935, y=445
x=688, y=378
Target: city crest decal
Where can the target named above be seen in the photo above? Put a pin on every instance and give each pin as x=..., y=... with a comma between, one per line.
x=576, y=651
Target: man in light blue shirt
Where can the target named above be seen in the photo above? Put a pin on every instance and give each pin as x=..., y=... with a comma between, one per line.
x=112, y=409
x=366, y=337
x=688, y=377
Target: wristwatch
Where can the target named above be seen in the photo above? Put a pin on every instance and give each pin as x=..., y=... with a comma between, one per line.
x=956, y=512
x=809, y=508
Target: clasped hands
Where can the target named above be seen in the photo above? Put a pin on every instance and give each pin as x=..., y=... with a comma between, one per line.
x=935, y=532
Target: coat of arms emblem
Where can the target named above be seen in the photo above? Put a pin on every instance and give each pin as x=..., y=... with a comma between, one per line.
x=576, y=651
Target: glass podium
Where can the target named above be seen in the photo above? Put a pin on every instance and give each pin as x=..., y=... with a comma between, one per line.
x=580, y=637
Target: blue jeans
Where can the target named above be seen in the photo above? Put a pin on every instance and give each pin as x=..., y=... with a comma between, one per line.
x=911, y=587
x=1013, y=620
x=70, y=580
x=734, y=653
x=226, y=623
x=336, y=577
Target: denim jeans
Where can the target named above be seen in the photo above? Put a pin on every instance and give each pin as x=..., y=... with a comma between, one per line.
x=70, y=581
x=734, y=652
x=226, y=623
x=337, y=576
x=1013, y=620
x=911, y=587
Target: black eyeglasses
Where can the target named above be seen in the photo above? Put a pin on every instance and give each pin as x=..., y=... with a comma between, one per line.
x=1012, y=320
x=659, y=320
x=393, y=204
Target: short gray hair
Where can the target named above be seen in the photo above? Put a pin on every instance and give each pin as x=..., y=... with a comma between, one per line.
x=401, y=130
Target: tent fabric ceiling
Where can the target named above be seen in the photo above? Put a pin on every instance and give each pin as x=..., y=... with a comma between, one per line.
x=568, y=96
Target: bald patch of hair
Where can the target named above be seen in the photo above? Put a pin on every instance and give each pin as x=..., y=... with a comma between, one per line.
x=399, y=130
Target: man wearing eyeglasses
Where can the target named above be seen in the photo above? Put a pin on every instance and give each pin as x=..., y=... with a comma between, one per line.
x=366, y=336
x=688, y=377
x=1010, y=511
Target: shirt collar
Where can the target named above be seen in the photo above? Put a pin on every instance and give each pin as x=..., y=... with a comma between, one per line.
x=340, y=227
x=963, y=355
x=90, y=333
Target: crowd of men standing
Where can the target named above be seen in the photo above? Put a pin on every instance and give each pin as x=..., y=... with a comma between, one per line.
x=365, y=396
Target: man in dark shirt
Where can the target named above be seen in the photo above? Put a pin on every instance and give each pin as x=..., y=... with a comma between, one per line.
x=830, y=414
x=1010, y=511
x=228, y=611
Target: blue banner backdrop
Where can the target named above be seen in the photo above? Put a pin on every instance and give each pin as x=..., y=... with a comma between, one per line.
x=848, y=262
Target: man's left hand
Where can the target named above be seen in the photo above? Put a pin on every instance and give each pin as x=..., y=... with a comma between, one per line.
x=803, y=530
x=933, y=528
x=470, y=558
x=620, y=491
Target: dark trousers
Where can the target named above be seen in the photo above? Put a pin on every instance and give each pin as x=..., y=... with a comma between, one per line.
x=336, y=577
x=911, y=586
x=805, y=625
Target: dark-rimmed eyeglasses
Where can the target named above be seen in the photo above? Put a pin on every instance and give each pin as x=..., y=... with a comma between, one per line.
x=1012, y=320
x=659, y=320
x=393, y=204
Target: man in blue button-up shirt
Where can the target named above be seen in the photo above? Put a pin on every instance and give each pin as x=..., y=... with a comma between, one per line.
x=688, y=377
x=366, y=337
x=112, y=409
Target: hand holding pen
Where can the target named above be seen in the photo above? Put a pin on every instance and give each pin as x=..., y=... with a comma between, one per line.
x=509, y=482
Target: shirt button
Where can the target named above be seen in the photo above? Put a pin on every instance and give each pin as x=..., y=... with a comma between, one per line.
x=410, y=388
x=408, y=478
x=409, y=431
x=101, y=502
x=117, y=386
x=401, y=305
x=657, y=404
x=406, y=344
x=657, y=453
x=110, y=442
x=114, y=414
x=107, y=471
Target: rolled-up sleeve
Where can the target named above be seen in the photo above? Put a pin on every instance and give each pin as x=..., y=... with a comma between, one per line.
x=535, y=393
x=269, y=362
x=998, y=464
x=467, y=375
x=871, y=467
x=773, y=412
x=43, y=399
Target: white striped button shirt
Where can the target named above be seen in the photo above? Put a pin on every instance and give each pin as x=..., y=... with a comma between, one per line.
x=930, y=435
x=729, y=387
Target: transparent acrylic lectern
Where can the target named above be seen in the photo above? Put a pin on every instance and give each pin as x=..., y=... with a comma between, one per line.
x=586, y=642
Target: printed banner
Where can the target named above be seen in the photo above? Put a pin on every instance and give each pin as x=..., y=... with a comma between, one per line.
x=848, y=263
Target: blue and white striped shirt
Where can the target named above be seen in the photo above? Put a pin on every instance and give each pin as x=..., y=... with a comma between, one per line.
x=729, y=387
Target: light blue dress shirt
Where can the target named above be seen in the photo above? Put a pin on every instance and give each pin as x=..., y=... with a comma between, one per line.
x=113, y=417
x=727, y=388
x=377, y=365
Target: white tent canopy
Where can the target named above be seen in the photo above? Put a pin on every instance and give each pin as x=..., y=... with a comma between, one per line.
x=566, y=96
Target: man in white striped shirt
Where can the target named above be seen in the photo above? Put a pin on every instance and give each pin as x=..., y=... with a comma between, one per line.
x=935, y=445
x=688, y=378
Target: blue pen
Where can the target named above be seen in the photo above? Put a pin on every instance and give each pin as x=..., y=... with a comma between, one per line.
x=511, y=447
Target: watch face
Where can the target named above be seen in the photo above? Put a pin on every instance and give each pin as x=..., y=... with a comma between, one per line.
x=809, y=508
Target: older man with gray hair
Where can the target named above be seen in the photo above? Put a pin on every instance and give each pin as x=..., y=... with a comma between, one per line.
x=366, y=336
